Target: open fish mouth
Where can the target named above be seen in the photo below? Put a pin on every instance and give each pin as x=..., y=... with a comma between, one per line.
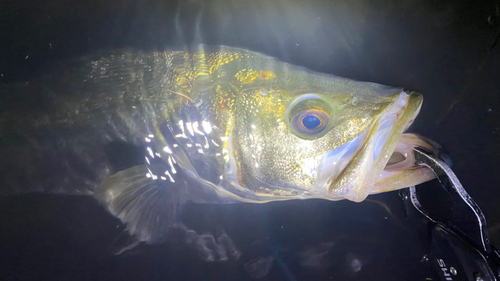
x=384, y=161
x=401, y=171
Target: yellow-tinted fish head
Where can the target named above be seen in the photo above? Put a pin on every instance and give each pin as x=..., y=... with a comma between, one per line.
x=298, y=134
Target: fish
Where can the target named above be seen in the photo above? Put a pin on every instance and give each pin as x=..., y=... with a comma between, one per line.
x=145, y=132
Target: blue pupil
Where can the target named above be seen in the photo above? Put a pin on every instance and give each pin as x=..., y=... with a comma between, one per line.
x=311, y=122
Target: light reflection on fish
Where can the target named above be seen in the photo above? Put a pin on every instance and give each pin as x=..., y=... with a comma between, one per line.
x=219, y=124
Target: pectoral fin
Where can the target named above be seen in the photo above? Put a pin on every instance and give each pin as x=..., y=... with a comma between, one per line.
x=147, y=203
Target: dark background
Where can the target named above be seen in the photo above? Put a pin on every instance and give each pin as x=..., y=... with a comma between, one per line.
x=447, y=50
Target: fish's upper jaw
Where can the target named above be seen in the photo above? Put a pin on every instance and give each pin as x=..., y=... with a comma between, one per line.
x=359, y=178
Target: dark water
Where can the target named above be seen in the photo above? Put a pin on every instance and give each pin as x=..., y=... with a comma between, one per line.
x=443, y=49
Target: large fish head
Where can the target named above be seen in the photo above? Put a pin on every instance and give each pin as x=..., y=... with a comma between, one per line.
x=298, y=134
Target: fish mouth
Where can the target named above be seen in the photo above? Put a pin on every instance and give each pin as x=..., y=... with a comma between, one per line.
x=401, y=171
x=384, y=162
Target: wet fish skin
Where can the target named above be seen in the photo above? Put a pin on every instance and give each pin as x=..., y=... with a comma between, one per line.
x=216, y=125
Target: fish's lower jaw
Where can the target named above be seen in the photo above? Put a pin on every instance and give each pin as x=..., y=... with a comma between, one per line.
x=356, y=196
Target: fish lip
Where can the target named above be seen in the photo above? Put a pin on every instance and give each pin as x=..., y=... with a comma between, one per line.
x=341, y=158
x=375, y=152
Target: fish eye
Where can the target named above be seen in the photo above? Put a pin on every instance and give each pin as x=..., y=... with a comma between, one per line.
x=309, y=116
x=310, y=121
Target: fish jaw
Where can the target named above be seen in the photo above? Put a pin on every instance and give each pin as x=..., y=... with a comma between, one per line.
x=401, y=171
x=359, y=178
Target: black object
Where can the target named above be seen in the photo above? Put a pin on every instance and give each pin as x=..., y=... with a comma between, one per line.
x=458, y=247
